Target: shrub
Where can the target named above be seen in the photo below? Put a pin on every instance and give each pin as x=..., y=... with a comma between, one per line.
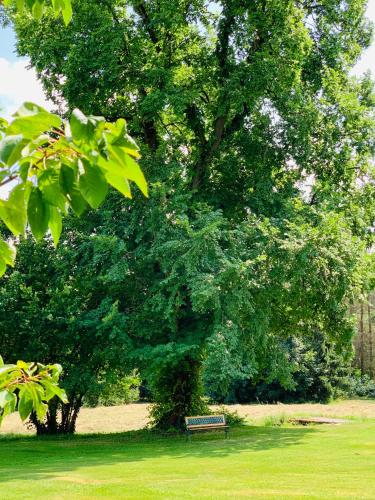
x=232, y=417
x=361, y=387
x=123, y=391
x=275, y=420
x=319, y=373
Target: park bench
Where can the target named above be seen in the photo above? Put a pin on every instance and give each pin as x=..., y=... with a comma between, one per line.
x=206, y=423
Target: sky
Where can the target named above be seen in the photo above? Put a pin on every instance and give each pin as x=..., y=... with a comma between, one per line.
x=18, y=83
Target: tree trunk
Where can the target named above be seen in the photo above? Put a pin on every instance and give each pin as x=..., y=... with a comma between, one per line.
x=60, y=418
x=362, y=337
x=177, y=392
x=371, y=356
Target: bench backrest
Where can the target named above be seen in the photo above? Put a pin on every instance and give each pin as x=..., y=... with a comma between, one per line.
x=205, y=421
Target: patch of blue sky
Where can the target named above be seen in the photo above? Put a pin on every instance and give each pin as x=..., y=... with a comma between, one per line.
x=5, y=102
x=8, y=44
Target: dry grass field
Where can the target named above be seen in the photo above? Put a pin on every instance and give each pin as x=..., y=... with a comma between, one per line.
x=135, y=416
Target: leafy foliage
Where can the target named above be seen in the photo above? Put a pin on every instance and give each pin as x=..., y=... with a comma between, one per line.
x=28, y=387
x=176, y=386
x=361, y=387
x=232, y=417
x=258, y=147
x=36, y=7
x=69, y=167
x=65, y=169
x=319, y=372
x=122, y=391
x=61, y=304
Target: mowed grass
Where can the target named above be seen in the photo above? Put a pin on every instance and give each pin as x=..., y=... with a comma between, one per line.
x=326, y=461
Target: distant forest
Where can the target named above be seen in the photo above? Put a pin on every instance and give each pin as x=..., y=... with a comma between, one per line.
x=364, y=341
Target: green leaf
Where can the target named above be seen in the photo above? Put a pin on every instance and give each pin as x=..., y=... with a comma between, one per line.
x=22, y=365
x=33, y=393
x=130, y=146
x=49, y=184
x=3, y=124
x=6, y=369
x=67, y=178
x=25, y=403
x=123, y=164
x=57, y=5
x=31, y=126
x=119, y=183
x=7, y=398
x=70, y=188
x=67, y=12
x=55, y=224
x=3, y=267
x=38, y=213
x=65, y=7
x=41, y=411
x=56, y=370
x=81, y=128
x=7, y=253
x=8, y=402
x=19, y=3
x=54, y=390
x=77, y=202
x=37, y=10
x=29, y=109
x=122, y=139
x=93, y=185
x=13, y=211
x=11, y=148
x=63, y=396
x=36, y=7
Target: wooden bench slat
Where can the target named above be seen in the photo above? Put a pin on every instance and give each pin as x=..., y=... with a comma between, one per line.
x=206, y=422
x=206, y=425
x=197, y=428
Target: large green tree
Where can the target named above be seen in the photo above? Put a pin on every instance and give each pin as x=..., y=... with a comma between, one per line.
x=237, y=106
x=61, y=305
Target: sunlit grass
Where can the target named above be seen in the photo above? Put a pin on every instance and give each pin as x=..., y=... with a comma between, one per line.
x=281, y=462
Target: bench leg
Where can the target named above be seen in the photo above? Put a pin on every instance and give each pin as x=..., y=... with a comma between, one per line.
x=188, y=436
x=226, y=433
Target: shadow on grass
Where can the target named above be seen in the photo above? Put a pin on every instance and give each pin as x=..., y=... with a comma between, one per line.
x=36, y=458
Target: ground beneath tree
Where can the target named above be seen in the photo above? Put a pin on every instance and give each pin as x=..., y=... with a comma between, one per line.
x=135, y=416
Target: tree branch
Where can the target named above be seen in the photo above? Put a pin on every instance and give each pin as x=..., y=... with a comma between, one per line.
x=8, y=179
x=225, y=29
x=196, y=123
x=221, y=129
x=149, y=127
x=140, y=9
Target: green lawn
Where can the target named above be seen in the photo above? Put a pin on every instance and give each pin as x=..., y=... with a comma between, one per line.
x=256, y=462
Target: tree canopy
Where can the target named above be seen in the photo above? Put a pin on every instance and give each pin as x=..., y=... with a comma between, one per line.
x=258, y=147
x=61, y=304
